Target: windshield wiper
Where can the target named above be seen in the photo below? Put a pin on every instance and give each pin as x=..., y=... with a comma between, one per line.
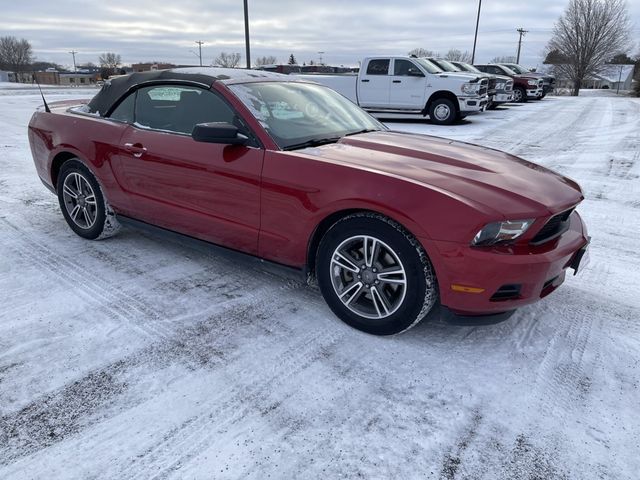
x=366, y=130
x=314, y=142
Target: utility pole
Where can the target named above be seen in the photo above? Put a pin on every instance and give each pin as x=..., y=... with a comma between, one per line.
x=246, y=34
x=475, y=38
x=320, y=55
x=522, y=33
x=200, y=42
x=73, y=52
x=619, y=80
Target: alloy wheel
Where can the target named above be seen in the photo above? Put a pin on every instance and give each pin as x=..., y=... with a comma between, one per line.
x=79, y=200
x=368, y=277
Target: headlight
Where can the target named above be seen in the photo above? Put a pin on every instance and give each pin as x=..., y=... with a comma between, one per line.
x=500, y=86
x=500, y=232
x=532, y=82
x=470, y=88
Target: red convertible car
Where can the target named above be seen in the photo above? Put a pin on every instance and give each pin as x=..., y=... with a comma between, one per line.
x=389, y=223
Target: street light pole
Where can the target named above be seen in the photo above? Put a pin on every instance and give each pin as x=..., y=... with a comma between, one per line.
x=619, y=80
x=246, y=34
x=73, y=52
x=475, y=38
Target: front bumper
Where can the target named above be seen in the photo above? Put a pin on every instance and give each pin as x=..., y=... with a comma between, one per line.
x=536, y=270
x=535, y=92
x=503, y=98
x=471, y=105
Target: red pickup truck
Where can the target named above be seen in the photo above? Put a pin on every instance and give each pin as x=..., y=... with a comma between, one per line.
x=390, y=223
x=525, y=86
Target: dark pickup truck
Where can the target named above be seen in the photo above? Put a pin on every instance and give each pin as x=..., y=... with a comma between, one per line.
x=549, y=81
x=525, y=86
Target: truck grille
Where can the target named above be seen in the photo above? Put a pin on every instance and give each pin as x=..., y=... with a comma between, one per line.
x=484, y=83
x=555, y=226
x=508, y=86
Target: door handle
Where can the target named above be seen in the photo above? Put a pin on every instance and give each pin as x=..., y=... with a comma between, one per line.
x=364, y=80
x=397, y=81
x=135, y=148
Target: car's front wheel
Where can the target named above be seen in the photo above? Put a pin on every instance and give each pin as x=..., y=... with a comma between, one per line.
x=519, y=95
x=443, y=112
x=82, y=202
x=375, y=275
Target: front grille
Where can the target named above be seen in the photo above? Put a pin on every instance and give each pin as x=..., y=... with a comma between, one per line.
x=540, y=82
x=492, y=83
x=484, y=83
x=555, y=226
x=509, y=86
x=506, y=292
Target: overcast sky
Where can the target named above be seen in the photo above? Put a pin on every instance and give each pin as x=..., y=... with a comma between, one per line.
x=345, y=30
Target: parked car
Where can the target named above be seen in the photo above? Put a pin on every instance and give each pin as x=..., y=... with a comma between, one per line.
x=290, y=171
x=524, y=86
x=407, y=87
x=447, y=66
x=503, y=85
x=548, y=80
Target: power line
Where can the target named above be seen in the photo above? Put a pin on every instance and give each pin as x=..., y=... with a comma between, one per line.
x=522, y=33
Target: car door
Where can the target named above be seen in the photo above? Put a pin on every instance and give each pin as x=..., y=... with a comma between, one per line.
x=374, y=83
x=206, y=190
x=408, y=85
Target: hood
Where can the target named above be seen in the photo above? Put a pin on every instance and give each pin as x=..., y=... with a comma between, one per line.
x=462, y=76
x=504, y=184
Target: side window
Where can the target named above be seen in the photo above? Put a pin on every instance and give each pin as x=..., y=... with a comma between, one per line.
x=177, y=108
x=378, y=67
x=403, y=67
x=124, y=111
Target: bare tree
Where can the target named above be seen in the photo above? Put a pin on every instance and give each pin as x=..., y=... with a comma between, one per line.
x=110, y=60
x=505, y=59
x=458, y=56
x=15, y=55
x=589, y=33
x=228, y=60
x=421, y=52
x=270, y=60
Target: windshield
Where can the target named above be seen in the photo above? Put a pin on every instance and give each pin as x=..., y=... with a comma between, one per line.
x=448, y=66
x=516, y=68
x=508, y=71
x=469, y=68
x=299, y=115
x=427, y=65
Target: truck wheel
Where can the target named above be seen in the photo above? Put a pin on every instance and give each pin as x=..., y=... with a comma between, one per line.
x=519, y=95
x=83, y=204
x=442, y=112
x=374, y=275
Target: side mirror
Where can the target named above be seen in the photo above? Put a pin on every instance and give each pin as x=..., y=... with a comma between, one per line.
x=218, y=132
x=414, y=72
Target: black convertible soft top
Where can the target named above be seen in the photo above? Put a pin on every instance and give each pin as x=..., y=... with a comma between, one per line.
x=115, y=88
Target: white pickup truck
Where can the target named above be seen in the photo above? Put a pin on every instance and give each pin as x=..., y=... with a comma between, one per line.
x=406, y=87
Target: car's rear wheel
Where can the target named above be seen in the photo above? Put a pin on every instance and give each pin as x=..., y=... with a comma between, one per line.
x=443, y=112
x=375, y=275
x=82, y=202
x=519, y=95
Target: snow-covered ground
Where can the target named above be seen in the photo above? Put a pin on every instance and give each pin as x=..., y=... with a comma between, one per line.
x=139, y=357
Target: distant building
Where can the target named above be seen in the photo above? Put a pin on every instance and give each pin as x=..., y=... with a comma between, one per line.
x=4, y=76
x=78, y=79
x=611, y=77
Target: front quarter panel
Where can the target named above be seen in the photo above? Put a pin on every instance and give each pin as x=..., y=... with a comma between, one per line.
x=300, y=191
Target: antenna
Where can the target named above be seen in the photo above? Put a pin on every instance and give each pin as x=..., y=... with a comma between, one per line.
x=46, y=107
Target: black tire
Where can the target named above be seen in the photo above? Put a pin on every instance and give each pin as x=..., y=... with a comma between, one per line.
x=88, y=214
x=401, y=306
x=519, y=95
x=443, y=112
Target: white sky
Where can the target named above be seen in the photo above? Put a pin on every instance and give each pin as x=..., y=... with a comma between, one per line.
x=146, y=30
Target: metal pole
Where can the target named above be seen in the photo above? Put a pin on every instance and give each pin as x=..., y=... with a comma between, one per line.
x=73, y=52
x=475, y=38
x=200, y=42
x=619, y=79
x=246, y=33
